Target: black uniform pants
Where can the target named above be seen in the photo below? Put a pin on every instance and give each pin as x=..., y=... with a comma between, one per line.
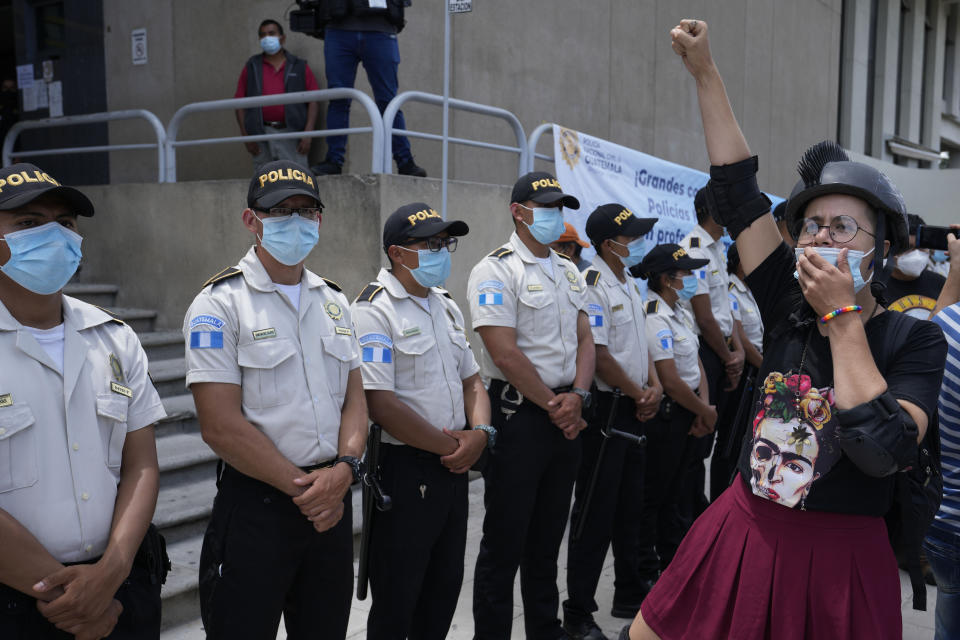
x=140, y=620
x=528, y=482
x=663, y=527
x=417, y=547
x=262, y=558
x=616, y=496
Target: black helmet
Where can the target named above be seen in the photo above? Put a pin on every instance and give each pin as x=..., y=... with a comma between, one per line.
x=826, y=169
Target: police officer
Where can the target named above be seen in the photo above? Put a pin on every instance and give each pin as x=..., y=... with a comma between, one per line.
x=743, y=305
x=685, y=414
x=423, y=387
x=615, y=311
x=528, y=305
x=274, y=369
x=78, y=478
x=721, y=351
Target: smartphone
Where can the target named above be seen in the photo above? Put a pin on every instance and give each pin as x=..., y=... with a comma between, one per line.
x=933, y=237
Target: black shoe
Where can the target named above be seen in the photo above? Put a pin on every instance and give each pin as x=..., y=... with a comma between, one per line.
x=327, y=168
x=410, y=168
x=586, y=630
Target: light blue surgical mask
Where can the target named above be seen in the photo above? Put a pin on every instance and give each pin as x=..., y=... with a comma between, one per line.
x=289, y=239
x=434, y=267
x=44, y=258
x=270, y=44
x=547, y=224
x=638, y=248
x=832, y=255
x=689, y=287
x=939, y=256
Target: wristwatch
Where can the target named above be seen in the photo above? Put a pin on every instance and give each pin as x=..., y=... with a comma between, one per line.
x=355, y=467
x=585, y=395
x=490, y=431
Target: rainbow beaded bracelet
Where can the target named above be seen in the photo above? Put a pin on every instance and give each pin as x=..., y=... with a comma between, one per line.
x=836, y=312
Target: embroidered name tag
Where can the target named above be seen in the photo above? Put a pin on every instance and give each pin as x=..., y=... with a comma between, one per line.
x=616, y=308
x=263, y=334
x=574, y=287
x=412, y=331
x=6, y=400
x=116, y=387
x=534, y=287
x=343, y=331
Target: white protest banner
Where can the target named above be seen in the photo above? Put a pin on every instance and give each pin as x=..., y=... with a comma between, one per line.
x=597, y=171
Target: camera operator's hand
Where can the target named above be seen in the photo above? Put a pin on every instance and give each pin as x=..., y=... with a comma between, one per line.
x=252, y=147
x=953, y=248
x=690, y=42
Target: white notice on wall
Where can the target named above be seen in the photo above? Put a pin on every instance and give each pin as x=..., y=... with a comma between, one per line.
x=460, y=6
x=56, y=99
x=30, y=98
x=47, y=67
x=24, y=76
x=138, y=44
x=42, y=97
x=378, y=4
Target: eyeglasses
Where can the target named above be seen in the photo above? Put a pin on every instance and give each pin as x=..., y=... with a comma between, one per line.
x=310, y=213
x=841, y=229
x=434, y=244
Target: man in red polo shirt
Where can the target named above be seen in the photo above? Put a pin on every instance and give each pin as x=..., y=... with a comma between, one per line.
x=276, y=70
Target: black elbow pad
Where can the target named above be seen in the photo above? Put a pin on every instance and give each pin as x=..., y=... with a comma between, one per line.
x=878, y=436
x=734, y=198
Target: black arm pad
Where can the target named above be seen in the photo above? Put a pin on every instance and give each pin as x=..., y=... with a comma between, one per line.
x=734, y=197
x=879, y=436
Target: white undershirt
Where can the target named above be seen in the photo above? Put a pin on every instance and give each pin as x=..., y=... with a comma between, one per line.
x=423, y=302
x=52, y=342
x=547, y=265
x=292, y=291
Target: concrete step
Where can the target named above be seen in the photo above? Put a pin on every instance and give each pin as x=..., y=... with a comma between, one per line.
x=181, y=416
x=185, y=458
x=102, y=295
x=169, y=376
x=184, y=503
x=181, y=601
x=161, y=345
x=140, y=320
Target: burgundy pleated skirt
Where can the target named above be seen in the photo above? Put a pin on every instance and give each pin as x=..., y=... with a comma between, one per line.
x=750, y=568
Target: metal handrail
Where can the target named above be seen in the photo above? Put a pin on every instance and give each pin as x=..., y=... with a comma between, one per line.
x=532, y=154
x=88, y=118
x=375, y=128
x=463, y=105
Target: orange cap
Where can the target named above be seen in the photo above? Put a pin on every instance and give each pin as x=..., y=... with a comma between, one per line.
x=570, y=235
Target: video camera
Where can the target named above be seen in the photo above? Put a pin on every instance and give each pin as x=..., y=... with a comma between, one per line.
x=312, y=16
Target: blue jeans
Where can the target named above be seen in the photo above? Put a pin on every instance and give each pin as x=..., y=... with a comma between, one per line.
x=943, y=553
x=380, y=55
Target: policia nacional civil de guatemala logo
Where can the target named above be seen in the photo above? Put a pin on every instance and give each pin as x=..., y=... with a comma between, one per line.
x=570, y=147
x=333, y=310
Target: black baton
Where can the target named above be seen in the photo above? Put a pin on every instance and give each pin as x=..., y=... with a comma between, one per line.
x=607, y=433
x=373, y=497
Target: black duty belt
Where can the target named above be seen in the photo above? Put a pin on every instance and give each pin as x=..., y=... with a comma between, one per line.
x=511, y=399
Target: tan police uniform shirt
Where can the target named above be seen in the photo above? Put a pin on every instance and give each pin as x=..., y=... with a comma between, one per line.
x=743, y=302
x=292, y=366
x=422, y=356
x=712, y=278
x=515, y=290
x=670, y=335
x=62, y=435
x=615, y=311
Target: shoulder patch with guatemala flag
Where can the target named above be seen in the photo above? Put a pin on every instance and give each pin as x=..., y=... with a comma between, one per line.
x=206, y=339
x=595, y=314
x=377, y=354
x=733, y=302
x=666, y=338
x=491, y=299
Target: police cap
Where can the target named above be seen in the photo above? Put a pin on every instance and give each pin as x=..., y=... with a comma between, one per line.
x=612, y=220
x=416, y=221
x=668, y=257
x=276, y=181
x=542, y=188
x=23, y=183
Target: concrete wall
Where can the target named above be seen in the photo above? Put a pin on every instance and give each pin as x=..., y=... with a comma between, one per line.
x=603, y=67
x=933, y=195
x=160, y=242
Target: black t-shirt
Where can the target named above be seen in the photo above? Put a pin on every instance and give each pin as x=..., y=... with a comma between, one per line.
x=916, y=297
x=791, y=453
